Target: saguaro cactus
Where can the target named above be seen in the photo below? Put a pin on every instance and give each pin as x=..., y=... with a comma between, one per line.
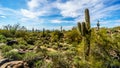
x=85, y=30
x=61, y=28
x=87, y=18
x=98, y=25
x=43, y=32
x=33, y=30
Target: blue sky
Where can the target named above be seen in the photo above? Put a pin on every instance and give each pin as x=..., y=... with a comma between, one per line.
x=51, y=14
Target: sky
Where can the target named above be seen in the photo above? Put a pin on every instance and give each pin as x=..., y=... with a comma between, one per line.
x=52, y=14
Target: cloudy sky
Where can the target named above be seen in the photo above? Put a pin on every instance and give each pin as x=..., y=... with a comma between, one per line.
x=51, y=14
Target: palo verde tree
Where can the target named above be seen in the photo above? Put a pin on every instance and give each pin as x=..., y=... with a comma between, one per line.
x=14, y=29
x=85, y=30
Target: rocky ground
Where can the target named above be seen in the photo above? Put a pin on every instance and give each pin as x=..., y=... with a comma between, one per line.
x=0, y=51
x=0, y=56
x=5, y=63
x=15, y=64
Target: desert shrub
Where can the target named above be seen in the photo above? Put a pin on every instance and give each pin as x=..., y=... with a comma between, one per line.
x=2, y=38
x=29, y=56
x=56, y=35
x=30, y=47
x=6, y=33
x=38, y=42
x=20, y=33
x=43, y=64
x=55, y=47
x=30, y=39
x=15, y=46
x=115, y=63
x=21, y=41
x=23, y=46
x=48, y=45
x=76, y=61
x=72, y=36
x=83, y=64
x=5, y=48
x=33, y=58
x=74, y=44
x=58, y=60
x=38, y=64
x=13, y=55
x=9, y=39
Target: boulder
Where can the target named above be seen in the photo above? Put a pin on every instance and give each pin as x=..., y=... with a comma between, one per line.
x=15, y=64
x=2, y=61
x=12, y=42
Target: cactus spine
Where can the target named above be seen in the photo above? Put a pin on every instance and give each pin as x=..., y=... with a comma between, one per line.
x=85, y=30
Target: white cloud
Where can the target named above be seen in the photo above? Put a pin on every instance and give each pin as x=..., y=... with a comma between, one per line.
x=68, y=9
x=118, y=20
x=56, y=21
x=34, y=4
x=108, y=23
x=73, y=8
x=30, y=14
x=67, y=27
x=60, y=21
x=98, y=9
x=3, y=16
x=36, y=8
x=9, y=12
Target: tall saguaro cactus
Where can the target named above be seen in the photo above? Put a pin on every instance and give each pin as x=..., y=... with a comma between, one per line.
x=85, y=30
x=87, y=18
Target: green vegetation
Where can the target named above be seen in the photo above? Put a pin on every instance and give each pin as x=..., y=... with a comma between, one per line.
x=80, y=47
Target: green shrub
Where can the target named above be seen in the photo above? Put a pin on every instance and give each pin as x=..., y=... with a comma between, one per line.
x=21, y=41
x=58, y=60
x=43, y=64
x=9, y=39
x=13, y=55
x=31, y=56
x=5, y=48
x=2, y=38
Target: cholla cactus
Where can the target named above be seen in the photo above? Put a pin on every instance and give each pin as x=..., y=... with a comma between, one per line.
x=85, y=30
